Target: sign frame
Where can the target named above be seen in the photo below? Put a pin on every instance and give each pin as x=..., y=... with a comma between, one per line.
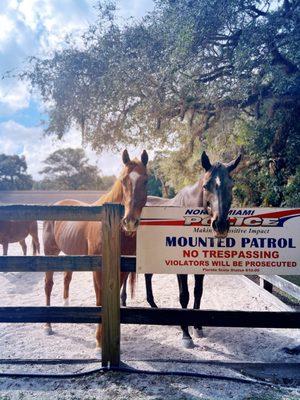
x=179, y=240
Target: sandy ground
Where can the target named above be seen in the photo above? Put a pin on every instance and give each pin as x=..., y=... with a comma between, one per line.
x=140, y=343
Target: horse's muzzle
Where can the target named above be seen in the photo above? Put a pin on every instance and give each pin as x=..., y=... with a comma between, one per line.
x=130, y=224
x=220, y=228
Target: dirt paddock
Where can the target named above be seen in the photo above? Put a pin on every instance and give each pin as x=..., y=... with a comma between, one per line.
x=141, y=345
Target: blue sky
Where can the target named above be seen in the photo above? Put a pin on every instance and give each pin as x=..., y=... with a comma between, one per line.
x=36, y=28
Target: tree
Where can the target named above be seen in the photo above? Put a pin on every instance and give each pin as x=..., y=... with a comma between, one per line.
x=135, y=82
x=154, y=184
x=69, y=169
x=218, y=74
x=13, y=175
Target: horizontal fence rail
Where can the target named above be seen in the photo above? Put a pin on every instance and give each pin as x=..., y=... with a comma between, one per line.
x=148, y=316
x=111, y=263
x=48, y=196
x=284, y=285
x=59, y=213
x=60, y=263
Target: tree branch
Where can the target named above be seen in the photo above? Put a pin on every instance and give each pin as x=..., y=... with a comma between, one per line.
x=258, y=12
x=279, y=59
x=226, y=70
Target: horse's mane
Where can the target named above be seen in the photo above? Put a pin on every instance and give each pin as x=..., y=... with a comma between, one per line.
x=115, y=195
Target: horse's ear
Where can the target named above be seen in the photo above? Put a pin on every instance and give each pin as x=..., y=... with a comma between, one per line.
x=125, y=157
x=233, y=164
x=205, y=161
x=144, y=157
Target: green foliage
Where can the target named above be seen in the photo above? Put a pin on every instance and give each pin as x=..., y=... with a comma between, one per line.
x=180, y=167
x=291, y=191
x=225, y=72
x=154, y=184
x=159, y=183
x=13, y=175
x=273, y=145
x=187, y=62
x=69, y=169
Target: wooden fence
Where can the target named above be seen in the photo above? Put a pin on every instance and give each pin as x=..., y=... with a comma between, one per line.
x=269, y=282
x=111, y=263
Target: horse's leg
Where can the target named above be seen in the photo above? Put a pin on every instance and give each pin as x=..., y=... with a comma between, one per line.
x=123, y=278
x=50, y=249
x=198, y=291
x=24, y=246
x=67, y=281
x=124, y=291
x=5, y=248
x=184, y=296
x=48, y=290
x=35, y=238
x=149, y=292
x=97, y=278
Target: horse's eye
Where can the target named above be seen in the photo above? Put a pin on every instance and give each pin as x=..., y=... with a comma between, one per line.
x=205, y=187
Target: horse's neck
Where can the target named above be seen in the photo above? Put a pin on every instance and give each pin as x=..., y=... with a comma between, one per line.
x=191, y=196
x=115, y=195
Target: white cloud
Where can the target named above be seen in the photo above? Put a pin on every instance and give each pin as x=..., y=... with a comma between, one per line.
x=30, y=142
x=14, y=98
x=134, y=8
x=36, y=28
x=7, y=26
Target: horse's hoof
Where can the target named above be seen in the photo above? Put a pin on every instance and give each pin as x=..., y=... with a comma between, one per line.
x=188, y=343
x=66, y=302
x=48, y=330
x=198, y=333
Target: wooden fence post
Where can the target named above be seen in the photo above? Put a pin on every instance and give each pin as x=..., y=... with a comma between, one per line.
x=111, y=255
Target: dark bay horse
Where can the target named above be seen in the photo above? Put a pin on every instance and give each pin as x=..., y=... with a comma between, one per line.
x=213, y=191
x=85, y=237
x=17, y=231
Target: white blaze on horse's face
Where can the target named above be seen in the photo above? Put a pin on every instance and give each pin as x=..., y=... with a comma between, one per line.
x=132, y=214
x=217, y=198
x=134, y=196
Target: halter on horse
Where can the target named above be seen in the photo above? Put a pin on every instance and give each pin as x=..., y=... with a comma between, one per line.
x=85, y=237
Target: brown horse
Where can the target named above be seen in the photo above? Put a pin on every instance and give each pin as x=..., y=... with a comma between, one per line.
x=17, y=231
x=213, y=192
x=85, y=237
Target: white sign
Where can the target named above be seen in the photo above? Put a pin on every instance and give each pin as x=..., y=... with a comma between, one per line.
x=177, y=240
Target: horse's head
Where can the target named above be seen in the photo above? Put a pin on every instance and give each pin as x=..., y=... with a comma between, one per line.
x=217, y=193
x=134, y=180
